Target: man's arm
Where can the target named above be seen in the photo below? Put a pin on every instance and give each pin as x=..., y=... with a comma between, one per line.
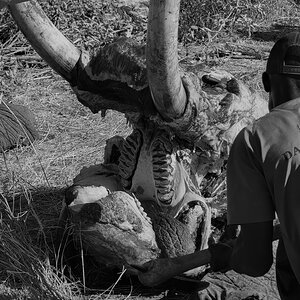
x=252, y=253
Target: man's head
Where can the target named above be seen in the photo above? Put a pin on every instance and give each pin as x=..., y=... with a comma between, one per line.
x=282, y=76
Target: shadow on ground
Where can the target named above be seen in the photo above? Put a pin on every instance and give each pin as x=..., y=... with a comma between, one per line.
x=213, y=286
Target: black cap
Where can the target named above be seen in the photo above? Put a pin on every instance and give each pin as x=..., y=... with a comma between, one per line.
x=284, y=57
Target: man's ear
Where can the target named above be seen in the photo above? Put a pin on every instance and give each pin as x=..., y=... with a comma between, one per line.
x=266, y=82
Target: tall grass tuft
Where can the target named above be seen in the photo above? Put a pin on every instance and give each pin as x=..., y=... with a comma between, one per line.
x=25, y=260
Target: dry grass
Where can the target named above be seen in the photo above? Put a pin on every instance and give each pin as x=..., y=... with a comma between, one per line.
x=32, y=179
x=69, y=132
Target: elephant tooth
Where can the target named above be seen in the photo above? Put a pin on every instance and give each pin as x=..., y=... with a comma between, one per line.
x=166, y=162
x=164, y=168
x=125, y=161
x=123, y=171
x=160, y=172
x=159, y=155
x=166, y=188
x=165, y=176
x=164, y=181
x=127, y=164
x=162, y=144
x=129, y=156
x=166, y=198
x=130, y=144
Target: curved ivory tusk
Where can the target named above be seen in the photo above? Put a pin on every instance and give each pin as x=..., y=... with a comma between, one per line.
x=162, y=59
x=45, y=38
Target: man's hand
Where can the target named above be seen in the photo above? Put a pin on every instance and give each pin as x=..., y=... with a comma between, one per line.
x=159, y=270
x=253, y=252
x=221, y=256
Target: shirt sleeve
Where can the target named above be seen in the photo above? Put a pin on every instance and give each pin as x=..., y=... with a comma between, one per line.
x=249, y=200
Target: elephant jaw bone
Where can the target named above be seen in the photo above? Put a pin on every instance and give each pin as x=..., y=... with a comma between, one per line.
x=80, y=205
x=149, y=167
x=114, y=229
x=192, y=214
x=152, y=171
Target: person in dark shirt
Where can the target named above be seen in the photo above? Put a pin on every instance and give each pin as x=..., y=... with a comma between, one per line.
x=263, y=178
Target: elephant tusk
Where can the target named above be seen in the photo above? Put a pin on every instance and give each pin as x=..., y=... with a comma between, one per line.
x=164, y=78
x=45, y=38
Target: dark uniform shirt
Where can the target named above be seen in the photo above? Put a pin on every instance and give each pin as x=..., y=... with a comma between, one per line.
x=263, y=176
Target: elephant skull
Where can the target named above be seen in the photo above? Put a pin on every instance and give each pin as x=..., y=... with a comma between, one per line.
x=184, y=122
